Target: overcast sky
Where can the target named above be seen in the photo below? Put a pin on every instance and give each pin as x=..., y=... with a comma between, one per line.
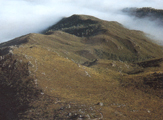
x=19, y=17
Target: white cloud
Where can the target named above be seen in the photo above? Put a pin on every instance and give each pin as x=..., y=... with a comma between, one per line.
x=19, y=17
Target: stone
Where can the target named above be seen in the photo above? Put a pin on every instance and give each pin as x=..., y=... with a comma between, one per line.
x=100, y=103
x=69, y=106
x=69, y=114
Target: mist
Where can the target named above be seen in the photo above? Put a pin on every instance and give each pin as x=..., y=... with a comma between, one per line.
x=20, y=17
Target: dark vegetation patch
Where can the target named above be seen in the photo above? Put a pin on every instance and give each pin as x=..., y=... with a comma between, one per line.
x=15, y=42
x=4, y=51
x=77, y=26
x=155, y=81
x=137, y=71
x=89, y=64
x=151, y=83
x=17, y=87
x=151, y=63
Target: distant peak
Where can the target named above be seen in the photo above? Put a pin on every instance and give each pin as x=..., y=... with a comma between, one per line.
x=149, y=12
x=83, y=17
x=79, y=25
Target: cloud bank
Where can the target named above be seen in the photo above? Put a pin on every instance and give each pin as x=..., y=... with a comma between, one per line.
x=19, y=17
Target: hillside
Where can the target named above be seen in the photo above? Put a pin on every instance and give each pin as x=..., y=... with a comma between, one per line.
x=81, y=68
x=108, y=40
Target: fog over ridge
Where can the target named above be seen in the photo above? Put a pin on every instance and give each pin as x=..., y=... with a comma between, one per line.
x=19, y=17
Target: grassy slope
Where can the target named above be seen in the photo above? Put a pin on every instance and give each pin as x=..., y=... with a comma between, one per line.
x=109, y=40
x=55, y=68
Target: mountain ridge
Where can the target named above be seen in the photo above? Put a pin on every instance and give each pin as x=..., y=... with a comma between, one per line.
x=65, y=75
x=110, y=33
